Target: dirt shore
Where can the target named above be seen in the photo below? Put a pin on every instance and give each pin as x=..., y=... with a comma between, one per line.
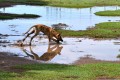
x=8, y=61
x=89, y=60
x=6, y=4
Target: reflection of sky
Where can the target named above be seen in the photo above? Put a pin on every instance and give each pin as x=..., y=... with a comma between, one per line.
x=73, y=50
x=78, y=19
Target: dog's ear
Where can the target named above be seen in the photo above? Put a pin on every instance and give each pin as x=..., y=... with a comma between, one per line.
x=60, y=35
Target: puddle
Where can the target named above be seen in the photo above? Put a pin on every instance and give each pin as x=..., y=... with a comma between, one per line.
x=68, y=52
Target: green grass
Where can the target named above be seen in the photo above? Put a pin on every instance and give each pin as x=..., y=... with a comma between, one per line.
x=4, y=16
x=101, y=30
x=82, y=3
x=64, y=72
x=67, y=3
x=109, y=13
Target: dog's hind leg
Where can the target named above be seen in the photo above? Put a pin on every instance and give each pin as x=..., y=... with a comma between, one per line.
x=49, y=38
x=28, y=35
x=32, y=38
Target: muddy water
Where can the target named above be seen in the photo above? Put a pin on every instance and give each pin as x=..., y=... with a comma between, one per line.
x=69, y=51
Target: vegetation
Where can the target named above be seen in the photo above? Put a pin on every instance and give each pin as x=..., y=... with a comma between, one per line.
x=82, y=3
x=4, y=16
x=109, y=13
x=101, y=30
x=64, y=72
x=67, y=3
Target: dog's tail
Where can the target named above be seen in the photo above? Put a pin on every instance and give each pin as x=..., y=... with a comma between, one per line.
x=28, y=30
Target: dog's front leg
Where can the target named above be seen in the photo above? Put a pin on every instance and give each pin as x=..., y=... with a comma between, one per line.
x=49, y=37
x=32, y=39
x=28, y=35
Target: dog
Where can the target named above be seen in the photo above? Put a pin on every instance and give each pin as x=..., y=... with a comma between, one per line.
x=50, y=32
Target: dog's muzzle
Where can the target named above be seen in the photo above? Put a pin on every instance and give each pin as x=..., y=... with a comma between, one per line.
x=61, y=40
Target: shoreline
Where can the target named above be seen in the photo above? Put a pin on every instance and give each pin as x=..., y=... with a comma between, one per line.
x=7, y=62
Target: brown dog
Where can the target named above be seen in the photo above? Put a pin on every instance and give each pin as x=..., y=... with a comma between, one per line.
x=50, y=32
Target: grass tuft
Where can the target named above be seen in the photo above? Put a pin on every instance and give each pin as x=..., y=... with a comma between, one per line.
x=108, y=13
x=5, y=16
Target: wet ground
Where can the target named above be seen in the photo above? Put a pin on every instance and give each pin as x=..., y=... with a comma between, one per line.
x=7, y=61
x=5, y=4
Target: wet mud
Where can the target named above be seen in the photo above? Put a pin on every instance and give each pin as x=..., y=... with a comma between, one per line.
x=6, y=4
x=88, y=60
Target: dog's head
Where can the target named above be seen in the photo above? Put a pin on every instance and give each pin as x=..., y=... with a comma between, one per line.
x=57, y=35
x=59, y=38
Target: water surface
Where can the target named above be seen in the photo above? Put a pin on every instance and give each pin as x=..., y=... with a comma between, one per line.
x=69, y=51
x=76, y=18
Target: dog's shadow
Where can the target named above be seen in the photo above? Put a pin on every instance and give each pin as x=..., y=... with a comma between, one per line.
x=51, y=52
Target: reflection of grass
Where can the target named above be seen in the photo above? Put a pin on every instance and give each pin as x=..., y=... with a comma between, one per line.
x=101, y=30
x=68, y=3
x=109, y=13
x=5, y=16
x=64, y=72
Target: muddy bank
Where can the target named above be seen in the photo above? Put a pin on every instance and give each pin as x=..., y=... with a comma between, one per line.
x=89, y=60
x=7, y=61
x=6, y=4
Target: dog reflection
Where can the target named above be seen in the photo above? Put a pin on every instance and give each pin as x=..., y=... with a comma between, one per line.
x=52, y=51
